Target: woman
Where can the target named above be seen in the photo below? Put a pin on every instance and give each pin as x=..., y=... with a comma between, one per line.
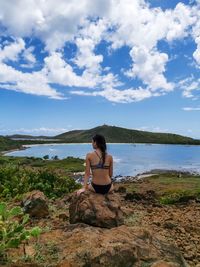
x=101, y=165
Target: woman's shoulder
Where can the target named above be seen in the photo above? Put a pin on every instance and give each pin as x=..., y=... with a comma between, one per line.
x=89, y=154
x=109, y=156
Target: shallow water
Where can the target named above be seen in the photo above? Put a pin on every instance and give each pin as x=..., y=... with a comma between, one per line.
x=129, y=159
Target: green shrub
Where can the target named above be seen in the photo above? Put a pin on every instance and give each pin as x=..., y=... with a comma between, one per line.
x=177, y=197
x=12, y=230
x=14, y=181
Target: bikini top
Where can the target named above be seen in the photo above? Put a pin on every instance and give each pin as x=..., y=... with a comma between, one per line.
x=99, y=165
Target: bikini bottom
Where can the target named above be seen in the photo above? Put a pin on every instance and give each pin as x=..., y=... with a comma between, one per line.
x=101, y=189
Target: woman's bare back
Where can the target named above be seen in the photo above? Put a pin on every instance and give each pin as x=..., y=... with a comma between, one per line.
x=101, y=176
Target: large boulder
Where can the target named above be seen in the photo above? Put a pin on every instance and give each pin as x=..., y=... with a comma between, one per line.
x=35, y=204
x=84, y=245
x=96, y=209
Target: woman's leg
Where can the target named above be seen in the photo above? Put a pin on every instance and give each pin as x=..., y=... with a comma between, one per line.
x=111, y=189
x=90, y=187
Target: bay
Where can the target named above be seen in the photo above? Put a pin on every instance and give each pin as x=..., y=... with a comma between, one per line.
x=129, y=159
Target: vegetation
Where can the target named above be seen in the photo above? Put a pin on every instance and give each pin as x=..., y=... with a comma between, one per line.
x=15, y=181
x=115, y=134
x=19, y=175
x=169, y=187
x=112, y=134
x=8, y=144
x=12, y=230
x=67, y=165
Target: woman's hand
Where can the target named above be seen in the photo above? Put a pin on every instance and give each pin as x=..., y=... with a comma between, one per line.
x=80, y=191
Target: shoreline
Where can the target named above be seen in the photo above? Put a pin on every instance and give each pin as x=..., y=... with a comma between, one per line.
x=79, y=176
x=153, y=172
x=118, y=177
x=25, y=146
x=2, y=153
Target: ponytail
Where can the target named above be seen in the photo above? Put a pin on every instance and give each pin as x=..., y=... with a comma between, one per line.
x=101, y=144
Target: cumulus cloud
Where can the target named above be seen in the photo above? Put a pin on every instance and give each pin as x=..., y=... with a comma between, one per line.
x=31, y=83
x=12, y=50
x=86, y=24
x=149, y=67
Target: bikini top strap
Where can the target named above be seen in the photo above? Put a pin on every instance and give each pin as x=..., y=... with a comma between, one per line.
x=98, y=155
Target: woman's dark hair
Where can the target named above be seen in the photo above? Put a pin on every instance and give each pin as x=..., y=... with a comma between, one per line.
x=101, y=144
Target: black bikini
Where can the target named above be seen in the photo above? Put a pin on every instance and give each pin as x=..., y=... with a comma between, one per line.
x=101, y=189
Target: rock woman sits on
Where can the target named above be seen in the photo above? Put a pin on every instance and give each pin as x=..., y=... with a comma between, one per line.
x=100, y=165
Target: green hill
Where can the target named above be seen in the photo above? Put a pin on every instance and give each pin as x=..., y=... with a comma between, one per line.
x=8, y=144
x=23, y=136
x=115, y=134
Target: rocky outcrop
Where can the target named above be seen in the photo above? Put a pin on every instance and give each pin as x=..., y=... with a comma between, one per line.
x=35, y=204
x=96, y=209
x=120, y=246
x=164, y=264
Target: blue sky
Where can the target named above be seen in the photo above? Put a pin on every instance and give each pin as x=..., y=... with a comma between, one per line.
x=66, y=65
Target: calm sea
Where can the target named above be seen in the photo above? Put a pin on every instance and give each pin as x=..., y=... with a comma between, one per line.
x=129, y=159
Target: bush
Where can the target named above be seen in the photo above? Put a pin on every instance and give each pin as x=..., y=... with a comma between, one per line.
x=13, y=231
x=14, y=181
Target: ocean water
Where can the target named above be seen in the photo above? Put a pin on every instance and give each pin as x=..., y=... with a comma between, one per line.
x=129, y=159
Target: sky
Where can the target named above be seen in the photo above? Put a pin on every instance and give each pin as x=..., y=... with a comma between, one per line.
x=74, y=64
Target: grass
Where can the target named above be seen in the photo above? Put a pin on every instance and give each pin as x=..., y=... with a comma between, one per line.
x=48, y=252
x=169, y=187
x=134, y=218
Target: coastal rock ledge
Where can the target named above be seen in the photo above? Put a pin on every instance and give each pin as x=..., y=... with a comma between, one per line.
x=96, y=209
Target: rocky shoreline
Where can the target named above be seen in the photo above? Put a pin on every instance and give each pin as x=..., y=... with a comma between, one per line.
x=153, y=172
x=79, y=176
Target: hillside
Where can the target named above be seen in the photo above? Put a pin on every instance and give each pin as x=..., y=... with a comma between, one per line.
x=8, y=144
x=115, y=134
x=23, y=136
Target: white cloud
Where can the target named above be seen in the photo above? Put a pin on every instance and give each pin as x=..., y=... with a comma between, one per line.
x=196, y=33
x=118, y=96
x=36, y=131
x=28, y=56
x=189, y=86
x=191, y=108
x=149, y=67
x=86, y=23
x=12, y=50
x=31, y=83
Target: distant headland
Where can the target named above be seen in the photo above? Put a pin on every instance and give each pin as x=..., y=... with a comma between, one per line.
x=113, y=134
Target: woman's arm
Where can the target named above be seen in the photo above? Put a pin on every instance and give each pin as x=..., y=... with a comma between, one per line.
x=87, y=170
x=111, y=167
